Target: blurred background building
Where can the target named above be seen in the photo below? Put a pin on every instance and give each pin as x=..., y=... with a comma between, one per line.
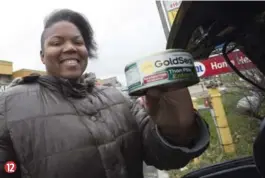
x=7, y=75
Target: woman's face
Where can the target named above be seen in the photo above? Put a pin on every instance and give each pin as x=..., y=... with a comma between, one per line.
x=64, y=53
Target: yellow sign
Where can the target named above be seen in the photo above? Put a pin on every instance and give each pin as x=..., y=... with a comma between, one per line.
x=171, y=9
x=147, y=67
x=172, y=15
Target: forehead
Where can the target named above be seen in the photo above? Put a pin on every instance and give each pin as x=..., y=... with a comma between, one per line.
x=62, y=29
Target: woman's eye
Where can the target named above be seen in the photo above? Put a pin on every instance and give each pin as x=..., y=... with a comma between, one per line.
x=55, y=43
x=79, y=42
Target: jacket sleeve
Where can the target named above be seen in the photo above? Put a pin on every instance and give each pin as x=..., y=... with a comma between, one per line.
x=6, y=150
x=158, y=151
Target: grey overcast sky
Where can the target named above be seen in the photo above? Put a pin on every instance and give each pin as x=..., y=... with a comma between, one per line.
x=125, y=30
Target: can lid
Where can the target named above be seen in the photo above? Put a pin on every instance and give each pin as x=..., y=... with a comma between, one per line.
x=157, y=53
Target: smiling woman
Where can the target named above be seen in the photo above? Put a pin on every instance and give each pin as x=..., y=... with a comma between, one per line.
x=66, y=43
x=63, y=125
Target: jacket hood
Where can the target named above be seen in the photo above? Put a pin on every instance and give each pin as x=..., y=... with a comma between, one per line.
x=16, y=81
x=87, y=79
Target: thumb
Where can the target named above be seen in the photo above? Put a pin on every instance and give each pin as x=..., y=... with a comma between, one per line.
x=154, y=92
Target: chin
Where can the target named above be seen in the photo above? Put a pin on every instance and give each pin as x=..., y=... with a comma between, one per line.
x=72, y=75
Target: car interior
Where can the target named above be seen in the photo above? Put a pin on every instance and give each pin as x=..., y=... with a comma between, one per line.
x=201, y=26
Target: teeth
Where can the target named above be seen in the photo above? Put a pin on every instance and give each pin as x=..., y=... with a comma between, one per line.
x=71, y=62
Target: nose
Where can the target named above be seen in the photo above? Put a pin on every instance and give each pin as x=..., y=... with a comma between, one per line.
x=69, y=47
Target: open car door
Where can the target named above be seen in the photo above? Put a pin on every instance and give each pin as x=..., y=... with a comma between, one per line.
x=201, y=26
x=241, y=168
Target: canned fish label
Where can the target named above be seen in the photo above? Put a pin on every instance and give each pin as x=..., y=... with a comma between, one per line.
x=172, y=66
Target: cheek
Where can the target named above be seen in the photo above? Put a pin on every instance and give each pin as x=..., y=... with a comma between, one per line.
x=51, y=56
x=84, y=55
x=83, y=52
x=84, y=65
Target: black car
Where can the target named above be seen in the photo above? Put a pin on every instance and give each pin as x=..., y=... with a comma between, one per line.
x=201, y=26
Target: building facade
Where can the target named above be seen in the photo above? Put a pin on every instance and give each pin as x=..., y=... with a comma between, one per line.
x=6, y=70
x=111, y=82
x=26, y=72
x=7, y=74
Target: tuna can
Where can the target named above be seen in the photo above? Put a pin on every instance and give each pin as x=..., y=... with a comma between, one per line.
x=171, y=68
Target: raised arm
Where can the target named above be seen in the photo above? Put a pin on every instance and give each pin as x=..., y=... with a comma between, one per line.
x=162, y=149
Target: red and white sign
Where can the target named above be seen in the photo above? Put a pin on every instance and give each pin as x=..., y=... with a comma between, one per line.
x=10, y=167
x=155, y=77
x=216, y=64
x=170, y=5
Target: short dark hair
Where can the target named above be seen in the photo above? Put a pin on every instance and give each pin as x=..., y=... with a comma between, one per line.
x=79, y=21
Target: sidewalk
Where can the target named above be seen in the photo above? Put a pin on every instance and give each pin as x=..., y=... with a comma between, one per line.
x=162, y=174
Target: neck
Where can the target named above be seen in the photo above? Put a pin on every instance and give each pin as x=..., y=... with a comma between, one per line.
x=71, y=80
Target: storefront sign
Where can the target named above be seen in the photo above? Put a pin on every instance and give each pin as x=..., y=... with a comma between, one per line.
x=216, y=64
x=171, y=10
x=167, y=11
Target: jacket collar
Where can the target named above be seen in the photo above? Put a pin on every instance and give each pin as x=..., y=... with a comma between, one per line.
x=75, y=89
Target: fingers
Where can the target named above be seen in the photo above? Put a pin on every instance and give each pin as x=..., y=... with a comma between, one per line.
x=154, y=92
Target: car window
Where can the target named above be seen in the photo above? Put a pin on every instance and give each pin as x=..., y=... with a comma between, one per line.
x=234, y=130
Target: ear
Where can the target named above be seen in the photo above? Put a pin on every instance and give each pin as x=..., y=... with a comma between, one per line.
x=42, y=57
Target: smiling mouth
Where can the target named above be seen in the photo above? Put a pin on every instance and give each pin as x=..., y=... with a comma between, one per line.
x=70, y=61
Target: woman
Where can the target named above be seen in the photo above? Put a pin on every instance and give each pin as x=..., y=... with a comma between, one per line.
x=63, y=126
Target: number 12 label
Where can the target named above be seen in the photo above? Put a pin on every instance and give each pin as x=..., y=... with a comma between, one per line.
x=10, y=167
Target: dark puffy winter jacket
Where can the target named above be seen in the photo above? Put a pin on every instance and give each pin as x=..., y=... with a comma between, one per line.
x=54, y=129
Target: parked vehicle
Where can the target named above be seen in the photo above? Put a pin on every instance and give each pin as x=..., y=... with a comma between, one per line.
x=201, y=26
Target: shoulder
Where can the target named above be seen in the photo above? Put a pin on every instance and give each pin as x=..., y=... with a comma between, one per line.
x=20, y=100
x=21, y=86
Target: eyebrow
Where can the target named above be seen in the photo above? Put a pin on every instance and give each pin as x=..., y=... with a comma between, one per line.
x=61, y=37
